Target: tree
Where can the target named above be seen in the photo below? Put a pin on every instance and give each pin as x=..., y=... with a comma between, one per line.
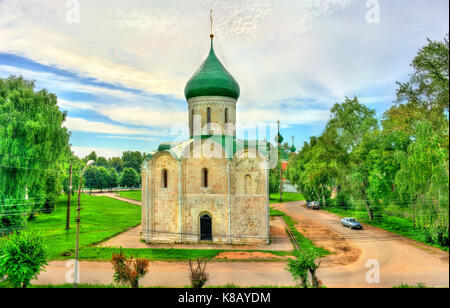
x=103, y=178
x=91, y=178
x=129, y=178
x=129, y=271
x=304, y=266
x=116, y=163
x=133, y=160
x=113, y=179
x=101, y=162
x=428, y=86
x=33, y=145
x=92, y=156
x=22, y=258
x=423, y=181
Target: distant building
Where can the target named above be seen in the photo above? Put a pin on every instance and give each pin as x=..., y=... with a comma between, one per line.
x=212, y=187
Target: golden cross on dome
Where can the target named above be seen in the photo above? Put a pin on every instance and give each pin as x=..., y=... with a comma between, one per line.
x=211, y=18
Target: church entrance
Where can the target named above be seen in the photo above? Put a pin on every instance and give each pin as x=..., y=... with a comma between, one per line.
x=205, y=228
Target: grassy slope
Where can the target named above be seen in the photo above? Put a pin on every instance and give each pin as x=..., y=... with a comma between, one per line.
x=287, y=197
x=101, y=218
x=132, y=194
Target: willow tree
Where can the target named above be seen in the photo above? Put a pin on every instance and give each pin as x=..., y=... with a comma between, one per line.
x=423, y=182
x=33, y=144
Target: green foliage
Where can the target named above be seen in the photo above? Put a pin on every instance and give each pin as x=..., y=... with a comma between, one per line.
x=403, y=163
x=101, y=162
x=304, y=266
x=116, y=163
x=33, y=144
x=129, y=178
x=113, y=178
x=103, y=178
x=128, y=271
x=22, y=258
x=92, y=156
x=92, y=178
x=423, y=180
x=133, y=160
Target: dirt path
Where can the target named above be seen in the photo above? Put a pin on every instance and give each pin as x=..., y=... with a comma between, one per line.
x=401, y=260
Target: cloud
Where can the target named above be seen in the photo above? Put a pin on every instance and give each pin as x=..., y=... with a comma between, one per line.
x=105, y=152
x=82, y=125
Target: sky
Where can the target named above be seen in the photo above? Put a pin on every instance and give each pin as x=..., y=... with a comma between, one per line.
x=119, y=67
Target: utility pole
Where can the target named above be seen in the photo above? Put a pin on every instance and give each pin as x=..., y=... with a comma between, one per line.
x=69, y=198
x=280, y=140
x=77, y=245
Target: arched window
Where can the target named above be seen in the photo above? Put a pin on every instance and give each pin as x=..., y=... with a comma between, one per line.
x=226, y=115
x=205, y=178
x=248, y=185
x=208, y=119
x=164, y=178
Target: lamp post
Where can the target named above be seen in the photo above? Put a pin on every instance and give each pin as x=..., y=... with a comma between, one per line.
x=76, y=269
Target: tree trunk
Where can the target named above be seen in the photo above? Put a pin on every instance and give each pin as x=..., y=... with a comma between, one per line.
x=135, y=284
x=369, y=210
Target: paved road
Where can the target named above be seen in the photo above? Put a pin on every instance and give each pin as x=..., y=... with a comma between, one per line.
x=401, y=260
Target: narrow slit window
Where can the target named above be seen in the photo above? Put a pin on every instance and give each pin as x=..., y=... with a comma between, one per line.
x=164, y=178
x=205, y=178
x=208, y=119
x=248, y=185
x=226, y=115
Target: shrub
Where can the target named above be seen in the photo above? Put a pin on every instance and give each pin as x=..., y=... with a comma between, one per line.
x=22, y=258
x=129, y=271
x=303, y=265
x=198, y=275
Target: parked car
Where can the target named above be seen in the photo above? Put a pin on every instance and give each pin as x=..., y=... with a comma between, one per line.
x=314, y=205
x=351, y=223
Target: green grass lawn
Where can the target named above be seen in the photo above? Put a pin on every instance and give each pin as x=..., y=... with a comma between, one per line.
x=101, y=218
x=287, y=197
x=132, y=194
x=160, y=254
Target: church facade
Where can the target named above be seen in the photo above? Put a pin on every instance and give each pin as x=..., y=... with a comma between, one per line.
x=212, y=188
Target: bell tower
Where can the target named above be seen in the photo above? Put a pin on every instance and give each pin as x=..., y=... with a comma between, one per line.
x=212, y=94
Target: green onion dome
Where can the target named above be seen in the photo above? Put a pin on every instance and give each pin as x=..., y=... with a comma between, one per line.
x=212, y=79
x=279, y=138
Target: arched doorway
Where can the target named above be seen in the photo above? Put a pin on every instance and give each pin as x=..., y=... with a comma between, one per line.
x=205, y=227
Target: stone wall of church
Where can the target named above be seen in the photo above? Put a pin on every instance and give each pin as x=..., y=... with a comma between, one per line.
x=249, y=214
x=212, y=200
x=236, y=189
x=198, y=107
x=163, y=202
